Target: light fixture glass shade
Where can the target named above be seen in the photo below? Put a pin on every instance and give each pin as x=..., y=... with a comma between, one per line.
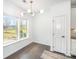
x=22, y=14
x=29, y=10
x=41, y=11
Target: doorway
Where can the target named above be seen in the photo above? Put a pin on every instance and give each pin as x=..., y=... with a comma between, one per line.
x=59, y=34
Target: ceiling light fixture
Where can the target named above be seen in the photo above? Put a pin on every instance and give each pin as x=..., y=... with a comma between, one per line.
x=31, y=11
x=41, y=11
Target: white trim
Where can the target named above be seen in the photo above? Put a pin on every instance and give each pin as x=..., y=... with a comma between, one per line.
x=52, y=43
x=27, y=28
x=9, y=42
x=18, y=29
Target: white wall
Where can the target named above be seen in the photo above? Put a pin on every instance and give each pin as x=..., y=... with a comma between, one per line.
x=73, y=17
x=42, y=24
x=12, y=48
x=42, y=28
x=12, y=10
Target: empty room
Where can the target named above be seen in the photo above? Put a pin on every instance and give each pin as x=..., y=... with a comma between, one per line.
x=39, y=29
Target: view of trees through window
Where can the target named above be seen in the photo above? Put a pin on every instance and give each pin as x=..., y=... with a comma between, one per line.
x=23, y=28
x=10, y=26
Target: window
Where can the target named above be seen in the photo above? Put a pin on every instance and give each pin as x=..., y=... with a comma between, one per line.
x=23, y=28
x=12, y=26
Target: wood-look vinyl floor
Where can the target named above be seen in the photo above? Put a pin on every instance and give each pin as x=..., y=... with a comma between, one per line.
x=32, y=51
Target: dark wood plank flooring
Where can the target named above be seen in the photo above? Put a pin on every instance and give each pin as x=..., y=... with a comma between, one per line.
x=32, y=51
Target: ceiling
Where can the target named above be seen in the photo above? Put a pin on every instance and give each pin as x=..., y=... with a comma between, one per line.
x=38, y=4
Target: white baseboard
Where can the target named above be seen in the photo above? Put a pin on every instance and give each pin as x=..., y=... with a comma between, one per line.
x=42, y=43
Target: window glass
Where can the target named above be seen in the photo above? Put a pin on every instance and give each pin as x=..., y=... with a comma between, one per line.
x=23, y=28
x=10, y=28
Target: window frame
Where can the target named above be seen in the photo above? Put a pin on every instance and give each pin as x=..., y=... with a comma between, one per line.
x=27, y=25
x=16, y=28
x=11, y=41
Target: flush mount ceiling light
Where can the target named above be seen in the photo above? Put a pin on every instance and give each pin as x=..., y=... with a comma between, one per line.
x=31, y=11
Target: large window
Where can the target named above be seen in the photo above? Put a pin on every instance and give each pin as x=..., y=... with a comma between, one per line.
x=12, y=26
x=23, y=28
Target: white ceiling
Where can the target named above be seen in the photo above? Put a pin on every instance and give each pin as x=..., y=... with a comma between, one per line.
x=39, y=4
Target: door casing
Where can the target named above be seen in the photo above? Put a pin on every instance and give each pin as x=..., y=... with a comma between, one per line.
x=59, y=36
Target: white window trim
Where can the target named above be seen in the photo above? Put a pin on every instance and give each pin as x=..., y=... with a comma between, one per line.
x=11, y=41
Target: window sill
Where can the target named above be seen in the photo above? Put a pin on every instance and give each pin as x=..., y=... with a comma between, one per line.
x=9, y=42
